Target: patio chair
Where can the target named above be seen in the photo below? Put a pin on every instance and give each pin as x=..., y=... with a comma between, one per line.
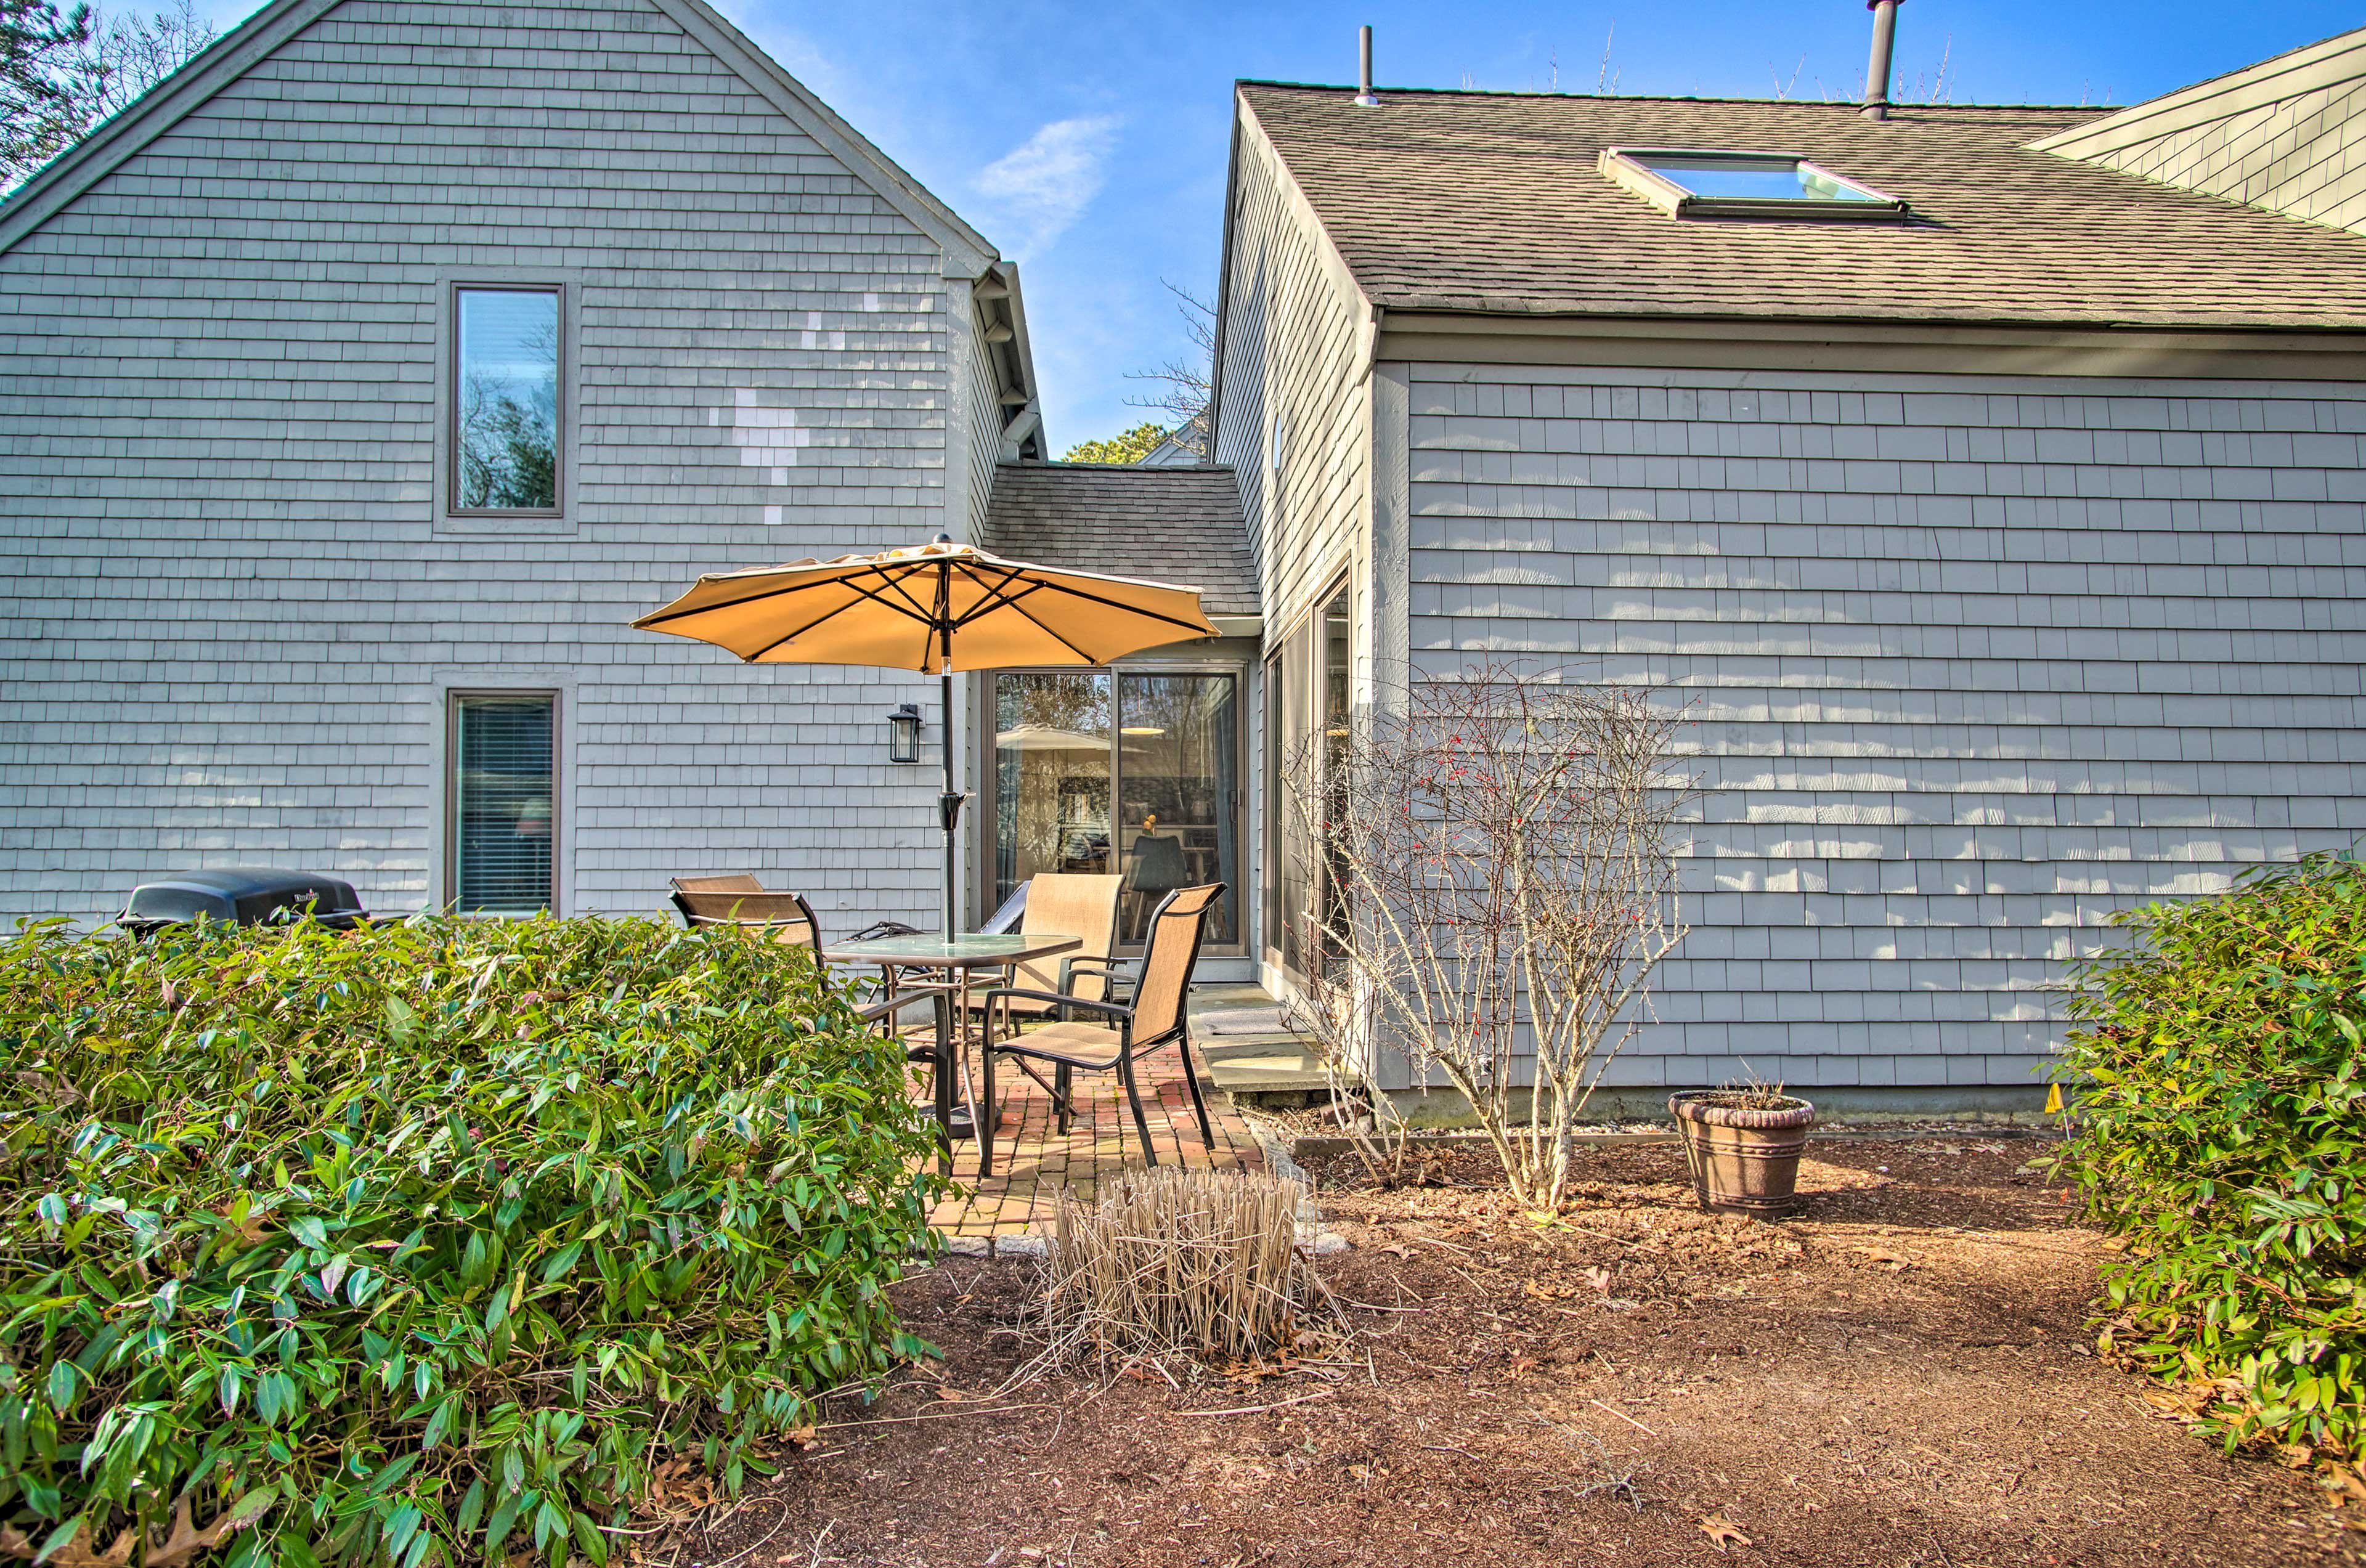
x=738, y=899
x=1159, y=1015
x=1065, y=904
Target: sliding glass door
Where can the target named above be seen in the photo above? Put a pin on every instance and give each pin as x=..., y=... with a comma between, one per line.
x=1120, y=773
x=1307, y=692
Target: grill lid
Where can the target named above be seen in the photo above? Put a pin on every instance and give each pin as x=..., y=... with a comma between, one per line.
x=243, y=896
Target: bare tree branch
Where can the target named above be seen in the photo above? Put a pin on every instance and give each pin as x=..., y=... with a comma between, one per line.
x=1185, y=385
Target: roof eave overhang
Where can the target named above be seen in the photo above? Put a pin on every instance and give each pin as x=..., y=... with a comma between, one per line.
x=106, y=149
x=1427, y=331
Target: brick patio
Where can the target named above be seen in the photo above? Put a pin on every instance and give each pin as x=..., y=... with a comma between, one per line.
x=1033, y=1164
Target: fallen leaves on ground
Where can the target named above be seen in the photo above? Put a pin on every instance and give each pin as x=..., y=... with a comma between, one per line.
x=1722, y=1531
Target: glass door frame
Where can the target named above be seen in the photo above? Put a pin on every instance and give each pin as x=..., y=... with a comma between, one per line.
x=1274, y=834
x=988, y=816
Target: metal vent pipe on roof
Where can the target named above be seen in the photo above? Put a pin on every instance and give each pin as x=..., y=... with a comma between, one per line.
x=1876, y=71
x=1365, y=97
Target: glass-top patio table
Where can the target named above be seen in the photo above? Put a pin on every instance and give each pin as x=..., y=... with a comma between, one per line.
x=959, y=958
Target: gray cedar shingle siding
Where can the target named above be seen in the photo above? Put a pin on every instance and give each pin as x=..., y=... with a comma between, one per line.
x=229, y=615
x=1487, y=202
x=1167, y=524
x=1969, y=663
x=2284, y=135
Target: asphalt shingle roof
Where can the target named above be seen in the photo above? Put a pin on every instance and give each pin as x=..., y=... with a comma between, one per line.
x=1177, y=524
x=1493, y=203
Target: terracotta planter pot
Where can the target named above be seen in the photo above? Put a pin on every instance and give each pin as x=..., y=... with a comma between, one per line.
x=1743, y=1162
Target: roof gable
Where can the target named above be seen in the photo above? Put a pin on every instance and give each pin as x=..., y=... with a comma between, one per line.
x=2287, y=135
x=966, y=253
x=1168, y=524
x=1493, y=204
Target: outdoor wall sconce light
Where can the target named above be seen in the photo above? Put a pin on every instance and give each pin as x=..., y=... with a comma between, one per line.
x=903, y=734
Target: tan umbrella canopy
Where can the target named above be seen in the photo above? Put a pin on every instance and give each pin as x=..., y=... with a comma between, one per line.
x=930, y=608
x=936, y=607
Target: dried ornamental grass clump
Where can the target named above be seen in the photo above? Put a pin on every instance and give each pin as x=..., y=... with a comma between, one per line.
x=1177, y=1259
x=425, y=1242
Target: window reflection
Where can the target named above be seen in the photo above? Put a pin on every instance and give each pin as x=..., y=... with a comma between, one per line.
x=1134, y=775
x=506, y=407
x=1051, y=776
x=1177, y=802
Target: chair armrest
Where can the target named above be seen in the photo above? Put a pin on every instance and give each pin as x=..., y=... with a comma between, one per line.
x=1111, y=970
x=1112, y=1009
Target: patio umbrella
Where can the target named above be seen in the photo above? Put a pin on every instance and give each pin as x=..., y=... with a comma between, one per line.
x=936, y=607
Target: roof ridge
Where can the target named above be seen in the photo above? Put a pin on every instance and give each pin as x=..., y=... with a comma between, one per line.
x=1851, y=104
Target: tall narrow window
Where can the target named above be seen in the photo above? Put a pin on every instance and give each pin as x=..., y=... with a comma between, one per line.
x=504, y=803
x=505, y=415
x=1307, y=690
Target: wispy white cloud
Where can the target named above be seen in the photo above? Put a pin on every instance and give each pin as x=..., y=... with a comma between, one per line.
x=1044, y=183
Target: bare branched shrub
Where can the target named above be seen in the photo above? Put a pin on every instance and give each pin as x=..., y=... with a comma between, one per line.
x=1180, y=1259
x=1492, y=860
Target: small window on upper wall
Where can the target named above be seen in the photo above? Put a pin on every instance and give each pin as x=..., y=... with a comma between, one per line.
x=1701, y=183
x=506, y=397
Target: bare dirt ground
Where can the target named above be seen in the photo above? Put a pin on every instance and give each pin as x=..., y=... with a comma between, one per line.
x=1897, y=1376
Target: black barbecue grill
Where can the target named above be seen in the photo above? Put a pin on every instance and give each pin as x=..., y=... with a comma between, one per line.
x=243, y=896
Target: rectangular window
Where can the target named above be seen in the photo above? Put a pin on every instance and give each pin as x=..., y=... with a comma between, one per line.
x=504, y=803
x=507, y=356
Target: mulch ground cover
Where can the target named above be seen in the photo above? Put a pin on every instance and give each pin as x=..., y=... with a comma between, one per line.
x=1898, y=1375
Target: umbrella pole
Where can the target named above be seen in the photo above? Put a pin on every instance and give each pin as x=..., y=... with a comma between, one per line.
x=949, y=804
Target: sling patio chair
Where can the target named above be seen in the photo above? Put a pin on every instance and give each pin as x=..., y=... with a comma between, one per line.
x=738, y=899
x=1065, y=904
x=1159, y=1015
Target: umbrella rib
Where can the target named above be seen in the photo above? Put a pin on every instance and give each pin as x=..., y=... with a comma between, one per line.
x=774, y=590
x=1020, y=610
x=872, y=595
x=1113, y=605
x=998, y=596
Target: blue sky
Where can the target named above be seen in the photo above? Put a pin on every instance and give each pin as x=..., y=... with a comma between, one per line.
x=1089, y=139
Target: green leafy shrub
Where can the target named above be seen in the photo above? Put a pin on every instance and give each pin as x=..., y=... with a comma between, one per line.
x=2221, y=1130
x=428, y=1240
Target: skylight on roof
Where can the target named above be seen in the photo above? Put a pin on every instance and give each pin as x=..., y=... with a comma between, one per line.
x=1686, y=182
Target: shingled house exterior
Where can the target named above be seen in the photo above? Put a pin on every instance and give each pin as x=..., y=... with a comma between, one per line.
x=270, y=598
x=1990, y=486
x=1999, y=513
